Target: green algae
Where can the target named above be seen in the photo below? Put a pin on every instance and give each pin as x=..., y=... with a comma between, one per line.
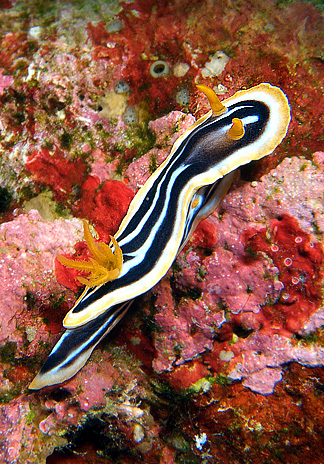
x=9, y=361
x=57, y=300
x=317, y=230
x=141, y=138
x=311, y=338
x=7, y=353
x=150, y=325
x=66, y=140
x=7, y=395
x=202, y=385
x=317, y=3
x=153, y=163
x=187, y=459
x=5, y=199
x=31, y=415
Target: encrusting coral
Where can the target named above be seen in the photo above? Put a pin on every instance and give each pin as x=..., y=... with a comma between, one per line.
x=103, y=267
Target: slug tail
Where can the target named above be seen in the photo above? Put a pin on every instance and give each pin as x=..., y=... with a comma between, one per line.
x=75, y=346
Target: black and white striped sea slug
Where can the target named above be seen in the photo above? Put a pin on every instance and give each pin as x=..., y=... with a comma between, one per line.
x=183, y=190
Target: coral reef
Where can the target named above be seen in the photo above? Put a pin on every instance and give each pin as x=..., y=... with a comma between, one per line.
x=222, y=361
x=260, y=284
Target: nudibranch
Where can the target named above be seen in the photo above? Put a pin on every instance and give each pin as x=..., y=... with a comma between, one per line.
x=186, y=188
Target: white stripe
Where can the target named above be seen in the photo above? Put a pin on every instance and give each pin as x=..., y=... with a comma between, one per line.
x=79, y=348
x=139, y=254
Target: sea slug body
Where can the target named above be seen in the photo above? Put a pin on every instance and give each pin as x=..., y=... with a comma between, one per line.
x=185, y=189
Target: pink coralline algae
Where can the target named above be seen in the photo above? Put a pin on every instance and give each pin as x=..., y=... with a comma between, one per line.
x=92, y=395
x=262, y=356
x=261, y=281
x=5, y=81
x=31, y=303
x=28, y=249
x=86, y=393
x=31, y=433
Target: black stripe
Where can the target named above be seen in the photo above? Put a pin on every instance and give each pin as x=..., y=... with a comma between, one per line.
x=71, y=340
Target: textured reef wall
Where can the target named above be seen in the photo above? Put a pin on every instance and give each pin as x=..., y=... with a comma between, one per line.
x=222, y=361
